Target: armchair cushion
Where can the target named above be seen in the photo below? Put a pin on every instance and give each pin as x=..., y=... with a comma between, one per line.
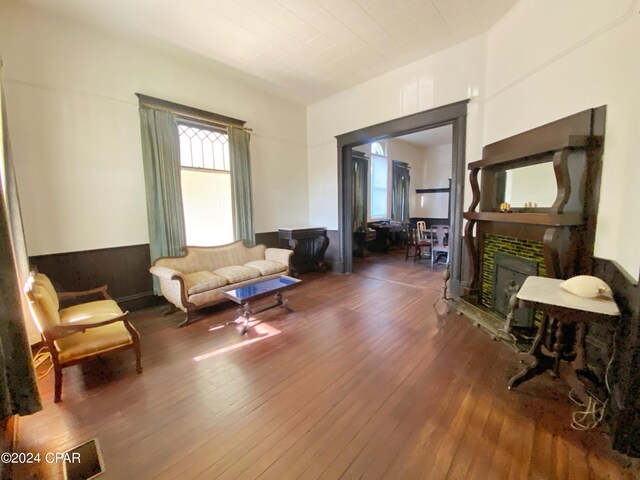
x=44, y=282
x=91, y=312
x=47, y=315
x=199, y=282
x=267, y=267
x=237, y=273
x=92, y=341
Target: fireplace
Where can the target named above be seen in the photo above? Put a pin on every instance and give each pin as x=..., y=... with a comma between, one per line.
x=509, y=273
x=565, y=234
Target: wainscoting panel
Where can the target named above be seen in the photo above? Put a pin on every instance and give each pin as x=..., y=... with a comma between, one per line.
x=270, y=239
x=623, y=414
x=124, y=269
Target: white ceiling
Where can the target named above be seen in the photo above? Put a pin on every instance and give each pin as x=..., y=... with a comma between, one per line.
x=429, y=138
x=303, y=49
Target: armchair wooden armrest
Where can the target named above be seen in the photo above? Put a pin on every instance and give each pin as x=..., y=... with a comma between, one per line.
x=55, y=332
x=71, y=295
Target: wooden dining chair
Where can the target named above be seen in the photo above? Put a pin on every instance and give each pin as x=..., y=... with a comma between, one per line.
x=420, y=247
x=439, y=234
x=423, y=233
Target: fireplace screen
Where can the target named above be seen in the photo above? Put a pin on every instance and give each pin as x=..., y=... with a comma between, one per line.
x=509, y=273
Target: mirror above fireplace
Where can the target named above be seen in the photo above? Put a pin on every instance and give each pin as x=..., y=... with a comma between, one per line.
x=531, y=186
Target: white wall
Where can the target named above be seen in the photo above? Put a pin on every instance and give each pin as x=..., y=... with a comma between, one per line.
x=436, y=174
x=547, y=60
x=74, y=127
x=446, y=77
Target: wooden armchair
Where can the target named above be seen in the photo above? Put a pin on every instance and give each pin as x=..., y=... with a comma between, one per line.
x=80, y=332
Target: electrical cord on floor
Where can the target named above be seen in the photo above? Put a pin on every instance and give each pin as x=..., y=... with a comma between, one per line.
x=593, y=413
x=591, y=416
x=43, y=355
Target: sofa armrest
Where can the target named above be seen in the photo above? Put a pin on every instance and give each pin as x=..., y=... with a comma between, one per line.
x=165, y=273
x=281, y=255
x=172, y=285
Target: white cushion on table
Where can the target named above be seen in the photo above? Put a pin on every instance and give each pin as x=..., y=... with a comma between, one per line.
x=587, y=286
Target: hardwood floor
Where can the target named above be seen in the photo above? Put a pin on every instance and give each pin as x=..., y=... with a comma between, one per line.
x=362, y=380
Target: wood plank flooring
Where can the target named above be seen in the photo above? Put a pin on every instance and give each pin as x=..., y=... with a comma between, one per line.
x=362, y=380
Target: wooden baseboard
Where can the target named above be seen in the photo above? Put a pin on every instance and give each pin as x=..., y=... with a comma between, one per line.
x=623, y=413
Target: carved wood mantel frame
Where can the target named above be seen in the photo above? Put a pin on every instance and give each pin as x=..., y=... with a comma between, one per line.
x=574, y=146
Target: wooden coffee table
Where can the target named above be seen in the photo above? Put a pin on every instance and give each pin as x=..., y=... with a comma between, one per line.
x=249, y=293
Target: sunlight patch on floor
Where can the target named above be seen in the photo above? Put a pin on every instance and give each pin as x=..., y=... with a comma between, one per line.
x=263, y=331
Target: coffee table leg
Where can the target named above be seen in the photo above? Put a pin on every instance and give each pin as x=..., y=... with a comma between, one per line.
x=246, y=313
x=282, y=302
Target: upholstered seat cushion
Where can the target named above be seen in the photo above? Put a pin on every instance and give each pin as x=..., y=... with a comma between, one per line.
x=91, y=341
x=267, y=267
x=91, y=312
x=199, y=282
x=237, y=273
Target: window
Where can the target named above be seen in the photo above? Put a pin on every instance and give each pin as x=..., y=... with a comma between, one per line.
x=206, y=185
x=378, y=202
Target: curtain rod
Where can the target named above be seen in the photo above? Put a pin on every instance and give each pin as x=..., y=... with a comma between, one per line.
x=190, y=112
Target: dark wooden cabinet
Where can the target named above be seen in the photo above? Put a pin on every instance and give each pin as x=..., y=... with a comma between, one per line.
x=309, y=245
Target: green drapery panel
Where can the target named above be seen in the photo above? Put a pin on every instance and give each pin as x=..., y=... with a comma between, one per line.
x=360, y=186
x=161, y=159
x=18, y=389
x=241, y=193
x=400, y=179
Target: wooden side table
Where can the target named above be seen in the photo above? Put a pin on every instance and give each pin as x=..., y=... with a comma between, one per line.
x=564, y=308
x=308, y=244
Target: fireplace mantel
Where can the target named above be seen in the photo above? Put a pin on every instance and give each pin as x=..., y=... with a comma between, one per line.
x=573, y=147
x=549, y=219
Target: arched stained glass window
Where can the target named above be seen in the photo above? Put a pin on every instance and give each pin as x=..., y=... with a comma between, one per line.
x=377, y=148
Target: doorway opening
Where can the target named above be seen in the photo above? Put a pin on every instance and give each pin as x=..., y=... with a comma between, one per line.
x=452, y=116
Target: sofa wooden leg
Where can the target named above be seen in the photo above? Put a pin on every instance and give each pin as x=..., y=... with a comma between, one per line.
x=189, y=318
x=58, y=384
x=170, y=310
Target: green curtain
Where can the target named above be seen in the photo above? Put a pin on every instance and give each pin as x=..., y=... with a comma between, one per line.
x=18, y=388
x=400, y=179
x=241, y=193
x=360, y=186
x=161, y=159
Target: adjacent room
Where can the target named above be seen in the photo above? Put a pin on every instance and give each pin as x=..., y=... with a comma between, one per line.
x=319, y=239
x=401, y=198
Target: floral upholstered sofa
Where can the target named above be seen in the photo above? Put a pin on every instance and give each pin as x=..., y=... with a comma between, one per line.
x=195, y=280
